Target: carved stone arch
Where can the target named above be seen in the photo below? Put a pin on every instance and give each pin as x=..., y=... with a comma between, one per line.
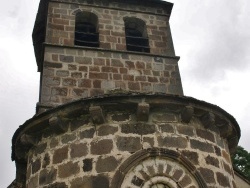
x=154, y=167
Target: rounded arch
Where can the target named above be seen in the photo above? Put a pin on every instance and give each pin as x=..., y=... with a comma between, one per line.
x=136, y=34
x=86, y=29
x=167, y=164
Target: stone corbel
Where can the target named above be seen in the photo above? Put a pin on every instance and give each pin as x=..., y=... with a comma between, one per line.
x=58, y=125
x=208, y=120
x=142, y=112
x=96, y=114
x=225, y=130
x=187, y=114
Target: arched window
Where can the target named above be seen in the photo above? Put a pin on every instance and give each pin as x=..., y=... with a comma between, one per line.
x=86, y=33
x=136, y=35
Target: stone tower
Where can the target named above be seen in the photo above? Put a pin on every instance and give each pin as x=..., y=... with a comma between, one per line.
x=111, y=111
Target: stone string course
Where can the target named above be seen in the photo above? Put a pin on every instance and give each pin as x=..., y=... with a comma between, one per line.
x=88, y=155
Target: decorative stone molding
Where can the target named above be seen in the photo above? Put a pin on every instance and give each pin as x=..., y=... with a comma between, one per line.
x=142, y=112
x=96, y=114
x=155, y=166
x=187, y=114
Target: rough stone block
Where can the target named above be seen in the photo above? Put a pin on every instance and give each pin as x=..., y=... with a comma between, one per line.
x=107, y=164
x=47, y=176
x=222, y=179
x=68, y=169
x=87, y=165
x=106, y=130
x=68, y=138
x=96, y=114
x=101, y=147
x=87, y=133
x=66, y=59
x=131, y=144
x=187, y=114
x=186, y=130
x=176, y=142
x=138, y=128
x=212, y=161
x=60, y=155
x=205, y=135
x=202, y=146
x=142, y=112
x=78, y=150
x=192, y=156
x=35, y=166
x=166, y=128
x=207, y=174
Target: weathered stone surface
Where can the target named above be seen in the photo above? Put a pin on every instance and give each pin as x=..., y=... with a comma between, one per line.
x=60, y=155
x=120, y=117
x=166, y=128
x=101, y=147
x=208, y=119
x=205, y=135
x=130, y=144
x=57, y=185
x=177, y=142
x=202, y=146
x=187, y=114
x=142, y=112
x=87, y=133
x=90, y=182
x=138, y=128
x=40, y=148
x=164, y=118
x=78, y=150
x=47, y=176
x=96, y=114
x=36, y=166
x=46, y=160
x=87, y=165
x=222, y=179
x=68, y=138
x=107, y=164
x=177, y=174
x=104, y=130
x=185, y=181
x=54, y=142
x=212, y=161
x=186, y=130
x=68, y=169
x=207, y=174
x=192, y=156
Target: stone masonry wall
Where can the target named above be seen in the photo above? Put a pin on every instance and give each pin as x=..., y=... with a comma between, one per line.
x=111, y=28
x=72, y=73
x=88, y=155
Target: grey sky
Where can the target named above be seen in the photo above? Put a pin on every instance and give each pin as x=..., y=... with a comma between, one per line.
x=211, y=37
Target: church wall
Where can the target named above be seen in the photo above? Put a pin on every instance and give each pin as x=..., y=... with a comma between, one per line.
x=72, y=73
x=89, y=154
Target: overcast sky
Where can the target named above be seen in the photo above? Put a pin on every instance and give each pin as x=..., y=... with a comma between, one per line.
x=212, y=37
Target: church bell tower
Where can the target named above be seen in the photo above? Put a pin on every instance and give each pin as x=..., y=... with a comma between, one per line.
x=111, y=110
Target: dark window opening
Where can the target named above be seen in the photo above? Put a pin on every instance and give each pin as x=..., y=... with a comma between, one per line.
x=86, y=30
x=136, y=35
